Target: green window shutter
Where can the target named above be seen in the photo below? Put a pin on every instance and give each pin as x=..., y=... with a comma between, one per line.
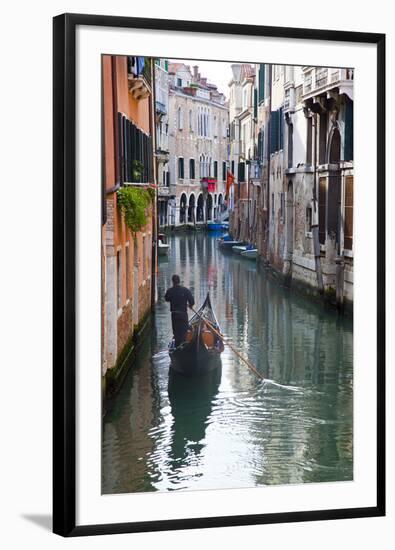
x=261, y=94
x=281, y=128
x=274, y=131
x=349, y=131
x=255, y=103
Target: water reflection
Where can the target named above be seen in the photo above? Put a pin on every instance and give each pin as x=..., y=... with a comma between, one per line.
x=296, y=427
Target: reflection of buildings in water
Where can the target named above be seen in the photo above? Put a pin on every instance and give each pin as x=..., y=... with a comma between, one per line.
x=191, y=401
x=141, y=392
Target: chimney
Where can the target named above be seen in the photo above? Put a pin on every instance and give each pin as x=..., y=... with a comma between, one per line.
x=195, y=73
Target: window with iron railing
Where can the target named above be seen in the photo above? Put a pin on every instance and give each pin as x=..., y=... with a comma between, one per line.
x=135, y=159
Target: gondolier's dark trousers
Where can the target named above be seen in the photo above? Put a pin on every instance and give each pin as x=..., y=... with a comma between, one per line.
x=179, y=322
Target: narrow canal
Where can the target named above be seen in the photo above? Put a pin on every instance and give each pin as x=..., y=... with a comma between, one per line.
x=233, y=430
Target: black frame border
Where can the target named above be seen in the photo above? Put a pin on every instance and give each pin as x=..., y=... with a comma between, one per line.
x=64, y=270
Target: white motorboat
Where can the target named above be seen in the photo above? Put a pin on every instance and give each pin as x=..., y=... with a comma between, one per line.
x=238, y=249
x=250, y=254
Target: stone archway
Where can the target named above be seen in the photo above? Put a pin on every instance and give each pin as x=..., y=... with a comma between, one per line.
x=183, y=208
x=191, y=209
x=209, y=207
x=334, y=188
x=200, y=209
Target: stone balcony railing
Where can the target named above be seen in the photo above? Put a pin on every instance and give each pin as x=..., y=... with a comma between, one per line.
x=321, y=79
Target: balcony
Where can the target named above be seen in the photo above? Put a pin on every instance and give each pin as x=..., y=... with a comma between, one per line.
x=139, y=77
x=331, y=81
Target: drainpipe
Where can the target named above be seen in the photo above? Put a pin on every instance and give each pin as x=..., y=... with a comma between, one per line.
x=315, y=224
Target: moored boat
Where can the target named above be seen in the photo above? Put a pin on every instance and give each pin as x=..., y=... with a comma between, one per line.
x=227, y=245
x=201, y=351
x=163, y=247
x=238, y=249
x=250, y=254
x=214, y=226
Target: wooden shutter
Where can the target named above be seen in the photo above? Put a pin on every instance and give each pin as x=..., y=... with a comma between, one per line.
x=241, y=172
x=261, y=82
x=274, y=131
x=322, y=210
x=349, y=131
x=348, y=212
x=280, y=129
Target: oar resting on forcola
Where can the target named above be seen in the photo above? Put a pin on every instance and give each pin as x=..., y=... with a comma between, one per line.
x=246, y=361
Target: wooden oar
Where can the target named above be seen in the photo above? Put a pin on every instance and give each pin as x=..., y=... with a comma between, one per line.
x=246, y=361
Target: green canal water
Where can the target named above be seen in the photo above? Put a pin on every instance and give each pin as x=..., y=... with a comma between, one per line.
x=229, y=430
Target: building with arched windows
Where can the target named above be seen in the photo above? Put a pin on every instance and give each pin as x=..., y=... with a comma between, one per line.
x=295, y=199
x=198, y=147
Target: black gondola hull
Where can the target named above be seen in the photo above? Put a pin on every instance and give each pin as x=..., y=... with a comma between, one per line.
x=194, y=358
x=194, y=362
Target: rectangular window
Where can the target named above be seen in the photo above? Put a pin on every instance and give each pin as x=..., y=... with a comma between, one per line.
x=215, y=169
x=192, y=169
x=179, y=82
x=119, y=280
x=224, y=171
x=233, y=167
x=274, y=131
x=349, y=130
x=241, y=172
x=181, y=168
x=167, y=179
x=348, y=212
x=272, y=204
x=261, y=93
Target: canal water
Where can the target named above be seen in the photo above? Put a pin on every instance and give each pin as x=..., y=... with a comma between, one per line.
x=230, y=429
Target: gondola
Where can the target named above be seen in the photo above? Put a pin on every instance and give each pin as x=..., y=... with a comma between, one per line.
x=201, y=351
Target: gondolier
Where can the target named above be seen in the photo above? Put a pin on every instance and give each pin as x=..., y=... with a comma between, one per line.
x=180, y=298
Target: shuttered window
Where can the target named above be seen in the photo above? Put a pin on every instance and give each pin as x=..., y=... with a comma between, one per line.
x=348, y=212
x=349, y=131
x=322, y=210
x=280, y=129
x=255, y=103
x=215, y=169
x=261, y=91
x=241, y=172
x=181, y=168
x=274, y=131
x=192, y=169
x=224, y=171
x=135, y=153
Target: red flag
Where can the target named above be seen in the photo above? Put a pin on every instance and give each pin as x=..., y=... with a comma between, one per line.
x=229, y=181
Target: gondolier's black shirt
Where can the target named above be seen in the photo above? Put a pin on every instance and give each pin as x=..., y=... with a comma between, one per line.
x=179, y=298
